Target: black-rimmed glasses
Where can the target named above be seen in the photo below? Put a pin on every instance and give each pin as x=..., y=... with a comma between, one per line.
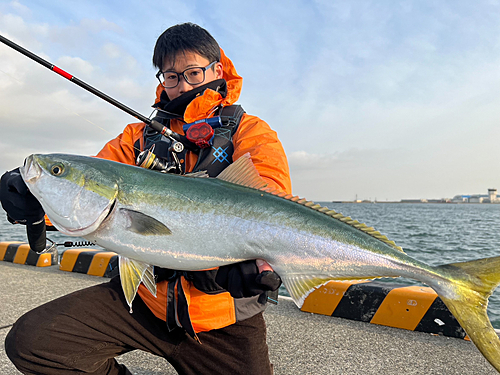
x=193, y=76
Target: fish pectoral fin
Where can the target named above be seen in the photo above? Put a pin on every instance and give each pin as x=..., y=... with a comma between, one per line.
x=300, y=286
x=144, y=224
x=132, y=273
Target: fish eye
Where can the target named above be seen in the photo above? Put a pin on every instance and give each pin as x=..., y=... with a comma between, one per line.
x=57, y=170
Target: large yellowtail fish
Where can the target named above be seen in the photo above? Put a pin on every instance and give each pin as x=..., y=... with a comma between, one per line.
x=195, y=223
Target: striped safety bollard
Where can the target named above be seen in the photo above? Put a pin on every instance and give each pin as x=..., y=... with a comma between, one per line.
x=90, y=261
x=414, y=308
x=21, y=253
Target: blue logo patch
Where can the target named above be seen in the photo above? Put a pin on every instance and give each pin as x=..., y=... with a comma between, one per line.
x=220, y=155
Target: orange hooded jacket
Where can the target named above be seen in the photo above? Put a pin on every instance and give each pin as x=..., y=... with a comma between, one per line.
x=211, y=311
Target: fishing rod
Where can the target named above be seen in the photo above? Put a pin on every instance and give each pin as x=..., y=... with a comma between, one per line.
x=151, y=123
x=36, y=232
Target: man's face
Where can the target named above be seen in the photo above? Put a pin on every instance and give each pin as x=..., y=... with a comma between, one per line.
x=188, y=60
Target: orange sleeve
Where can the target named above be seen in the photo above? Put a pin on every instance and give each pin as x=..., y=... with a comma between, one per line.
x=121, y=148
x=256, y=137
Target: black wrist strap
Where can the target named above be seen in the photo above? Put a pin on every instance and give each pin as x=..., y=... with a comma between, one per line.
x=36, y=235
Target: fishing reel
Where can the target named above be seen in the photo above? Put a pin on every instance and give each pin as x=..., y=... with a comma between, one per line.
x=148, y=160
x=200, y=134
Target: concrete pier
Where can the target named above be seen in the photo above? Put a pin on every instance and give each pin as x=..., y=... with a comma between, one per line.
x=299, y=342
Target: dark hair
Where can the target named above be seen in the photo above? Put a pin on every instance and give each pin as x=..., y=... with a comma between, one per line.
x=182, y=38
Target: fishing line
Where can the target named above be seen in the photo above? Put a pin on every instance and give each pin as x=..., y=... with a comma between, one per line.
x=36, y=233
x=155, y=125
x=145, y=159
x=70, y=110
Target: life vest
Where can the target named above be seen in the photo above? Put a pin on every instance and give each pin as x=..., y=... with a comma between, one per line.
x=213, y=160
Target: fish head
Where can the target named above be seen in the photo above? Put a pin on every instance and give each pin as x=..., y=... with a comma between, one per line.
x=76, y=196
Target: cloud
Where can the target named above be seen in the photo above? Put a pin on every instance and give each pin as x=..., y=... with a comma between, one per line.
x=20, y=8
x=343, y=175
x=380, y=99
x=304, y=161
x=414, y=89
x=111, y=51
x=42, y=112
x=78, y=65
x=96, y=26
x=430, y=171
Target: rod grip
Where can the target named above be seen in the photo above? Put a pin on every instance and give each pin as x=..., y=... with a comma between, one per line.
x=36, y=236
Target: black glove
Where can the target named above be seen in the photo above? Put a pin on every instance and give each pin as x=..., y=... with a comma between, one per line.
x=244, y=280
x=21, y=206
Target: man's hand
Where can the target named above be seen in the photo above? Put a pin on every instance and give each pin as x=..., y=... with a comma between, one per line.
x=262, y=265
x=21, y=206
x=267, y=277
x=245, y=279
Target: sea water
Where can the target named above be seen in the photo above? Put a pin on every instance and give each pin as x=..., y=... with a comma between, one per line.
x=432, y=233
x=435, y=233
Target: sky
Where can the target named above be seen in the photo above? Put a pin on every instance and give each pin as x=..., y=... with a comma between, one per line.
x=380, y=100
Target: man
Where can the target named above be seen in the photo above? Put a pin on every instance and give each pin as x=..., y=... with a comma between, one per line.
x=221, y=308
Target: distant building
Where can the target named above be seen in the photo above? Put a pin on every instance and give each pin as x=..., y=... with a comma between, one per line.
x=414, y=200
x=493, y=195
x=476, y=198
x=442, y=200
x=460, y=199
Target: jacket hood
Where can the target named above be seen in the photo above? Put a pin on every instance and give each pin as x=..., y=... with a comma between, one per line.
x=203, y=105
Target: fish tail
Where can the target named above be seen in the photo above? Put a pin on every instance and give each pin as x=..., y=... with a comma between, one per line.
x=466, y=296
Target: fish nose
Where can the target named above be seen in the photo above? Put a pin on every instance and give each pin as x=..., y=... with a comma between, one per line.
x=31, y=170
x=28, y=161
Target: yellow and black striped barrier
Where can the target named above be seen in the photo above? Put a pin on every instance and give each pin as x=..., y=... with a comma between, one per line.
x=414, y=308
x=21, y=253
x=90, y=261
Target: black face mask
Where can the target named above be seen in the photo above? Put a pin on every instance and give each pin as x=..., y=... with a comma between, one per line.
x=176, y=108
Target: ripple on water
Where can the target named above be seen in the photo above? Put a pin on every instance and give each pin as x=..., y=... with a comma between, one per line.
x=436, y=233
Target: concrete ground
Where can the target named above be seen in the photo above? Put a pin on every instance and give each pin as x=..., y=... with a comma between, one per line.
x=299, y=342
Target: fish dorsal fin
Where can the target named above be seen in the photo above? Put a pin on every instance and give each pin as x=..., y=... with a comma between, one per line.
x=243, y=172
x=328, y=211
